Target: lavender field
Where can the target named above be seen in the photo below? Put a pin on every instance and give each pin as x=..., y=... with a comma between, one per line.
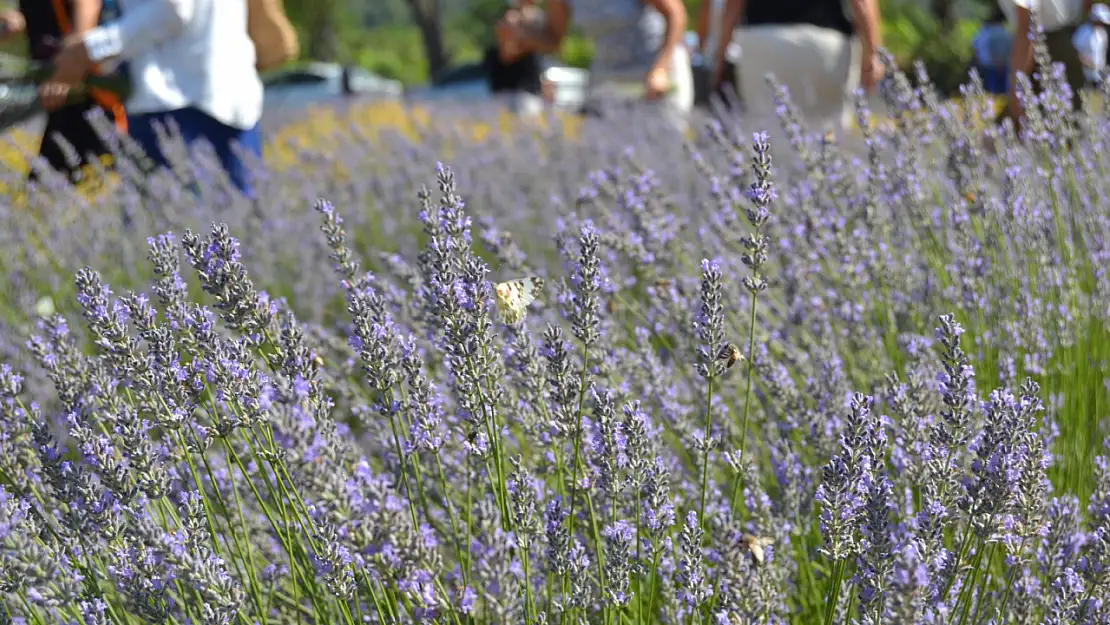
x=858, y=381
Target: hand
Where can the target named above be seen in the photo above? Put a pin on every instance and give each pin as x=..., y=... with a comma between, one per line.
x=12, y=23
x=513, y=17
x=71, y=65
x=53, y=94
x=656, y=83
x=716, y=76
x=871, y=71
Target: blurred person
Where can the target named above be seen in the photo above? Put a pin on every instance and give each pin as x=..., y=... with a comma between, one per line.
x=639, y=52
x=193, y=66
x=813, y=48
x=1091, y=40
x=1059, y=19
x=515, y=73
x=991, y=47
x=709, y=27
x=46, y=23
x=346, y=83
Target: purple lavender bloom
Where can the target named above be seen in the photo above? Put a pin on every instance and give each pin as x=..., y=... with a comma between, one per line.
x=240, y=439
x=691, y=584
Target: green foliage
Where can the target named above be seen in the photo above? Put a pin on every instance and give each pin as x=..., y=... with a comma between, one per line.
x=578, y=51
x=16, y=46
x=395, y=52
x=911, y=33
x=476, y=23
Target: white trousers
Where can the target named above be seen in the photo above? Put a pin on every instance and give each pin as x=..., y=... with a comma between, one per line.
x=819, y=66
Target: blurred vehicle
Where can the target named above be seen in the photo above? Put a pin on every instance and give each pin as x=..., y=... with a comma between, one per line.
x=563, y=86
x=320, y=83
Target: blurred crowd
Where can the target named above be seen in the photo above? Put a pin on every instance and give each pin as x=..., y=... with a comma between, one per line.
x=821, y=51
x=193, y=65
x=1074, y=32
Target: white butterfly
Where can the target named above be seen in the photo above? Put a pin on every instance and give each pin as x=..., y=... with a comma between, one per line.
x=514, y=296
x=45, y=306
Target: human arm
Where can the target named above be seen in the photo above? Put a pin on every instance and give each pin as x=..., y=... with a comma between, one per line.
x=139, y=29
x=865, y=14
x=83, y=17
x=1021, y=59
x=730, y=19
x=701, y=23
x=12, y=23
x=658, y=79
x=86, y=13
x=674, y=14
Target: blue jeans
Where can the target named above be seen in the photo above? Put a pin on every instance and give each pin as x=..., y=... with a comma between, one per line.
x=995, y=79
x=194, y=124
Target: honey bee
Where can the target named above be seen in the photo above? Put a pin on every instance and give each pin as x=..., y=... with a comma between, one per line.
x=755, y=545
x=668, y=283
x=730, y=354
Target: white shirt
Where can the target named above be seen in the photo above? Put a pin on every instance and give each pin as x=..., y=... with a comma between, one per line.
x=1053, y=14
x=185, y=53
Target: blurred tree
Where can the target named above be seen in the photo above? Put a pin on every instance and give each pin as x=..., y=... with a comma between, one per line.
x=429, y=19
x=318, y=24
x=476, y=22
x=378, y=13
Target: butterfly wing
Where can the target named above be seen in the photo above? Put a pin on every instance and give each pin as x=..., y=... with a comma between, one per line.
x=45, y=306
x=529, y=290
x=514, y=296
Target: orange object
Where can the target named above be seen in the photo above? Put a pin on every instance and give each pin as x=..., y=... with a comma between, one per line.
x=106, y=99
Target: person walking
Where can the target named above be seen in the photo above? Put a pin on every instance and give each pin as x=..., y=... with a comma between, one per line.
x=709, y=29
x=991, y=58
x=46, y=24
x=639, y=52
x=518, y=74
x=1059, y=19
x=820, y=53
x=192, y=64
x=1092, y=41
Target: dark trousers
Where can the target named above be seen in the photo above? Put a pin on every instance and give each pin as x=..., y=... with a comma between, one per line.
x=1061, y=49
x=71, y=123
x=994, y=79
x=725, y=92
x=522, y=75
x=195, y=125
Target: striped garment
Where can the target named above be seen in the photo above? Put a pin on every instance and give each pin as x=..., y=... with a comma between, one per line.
x=626, y=34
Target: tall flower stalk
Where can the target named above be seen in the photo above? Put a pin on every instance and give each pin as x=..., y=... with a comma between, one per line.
x=585, y=324
x=756, y=244
x=710, y=330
